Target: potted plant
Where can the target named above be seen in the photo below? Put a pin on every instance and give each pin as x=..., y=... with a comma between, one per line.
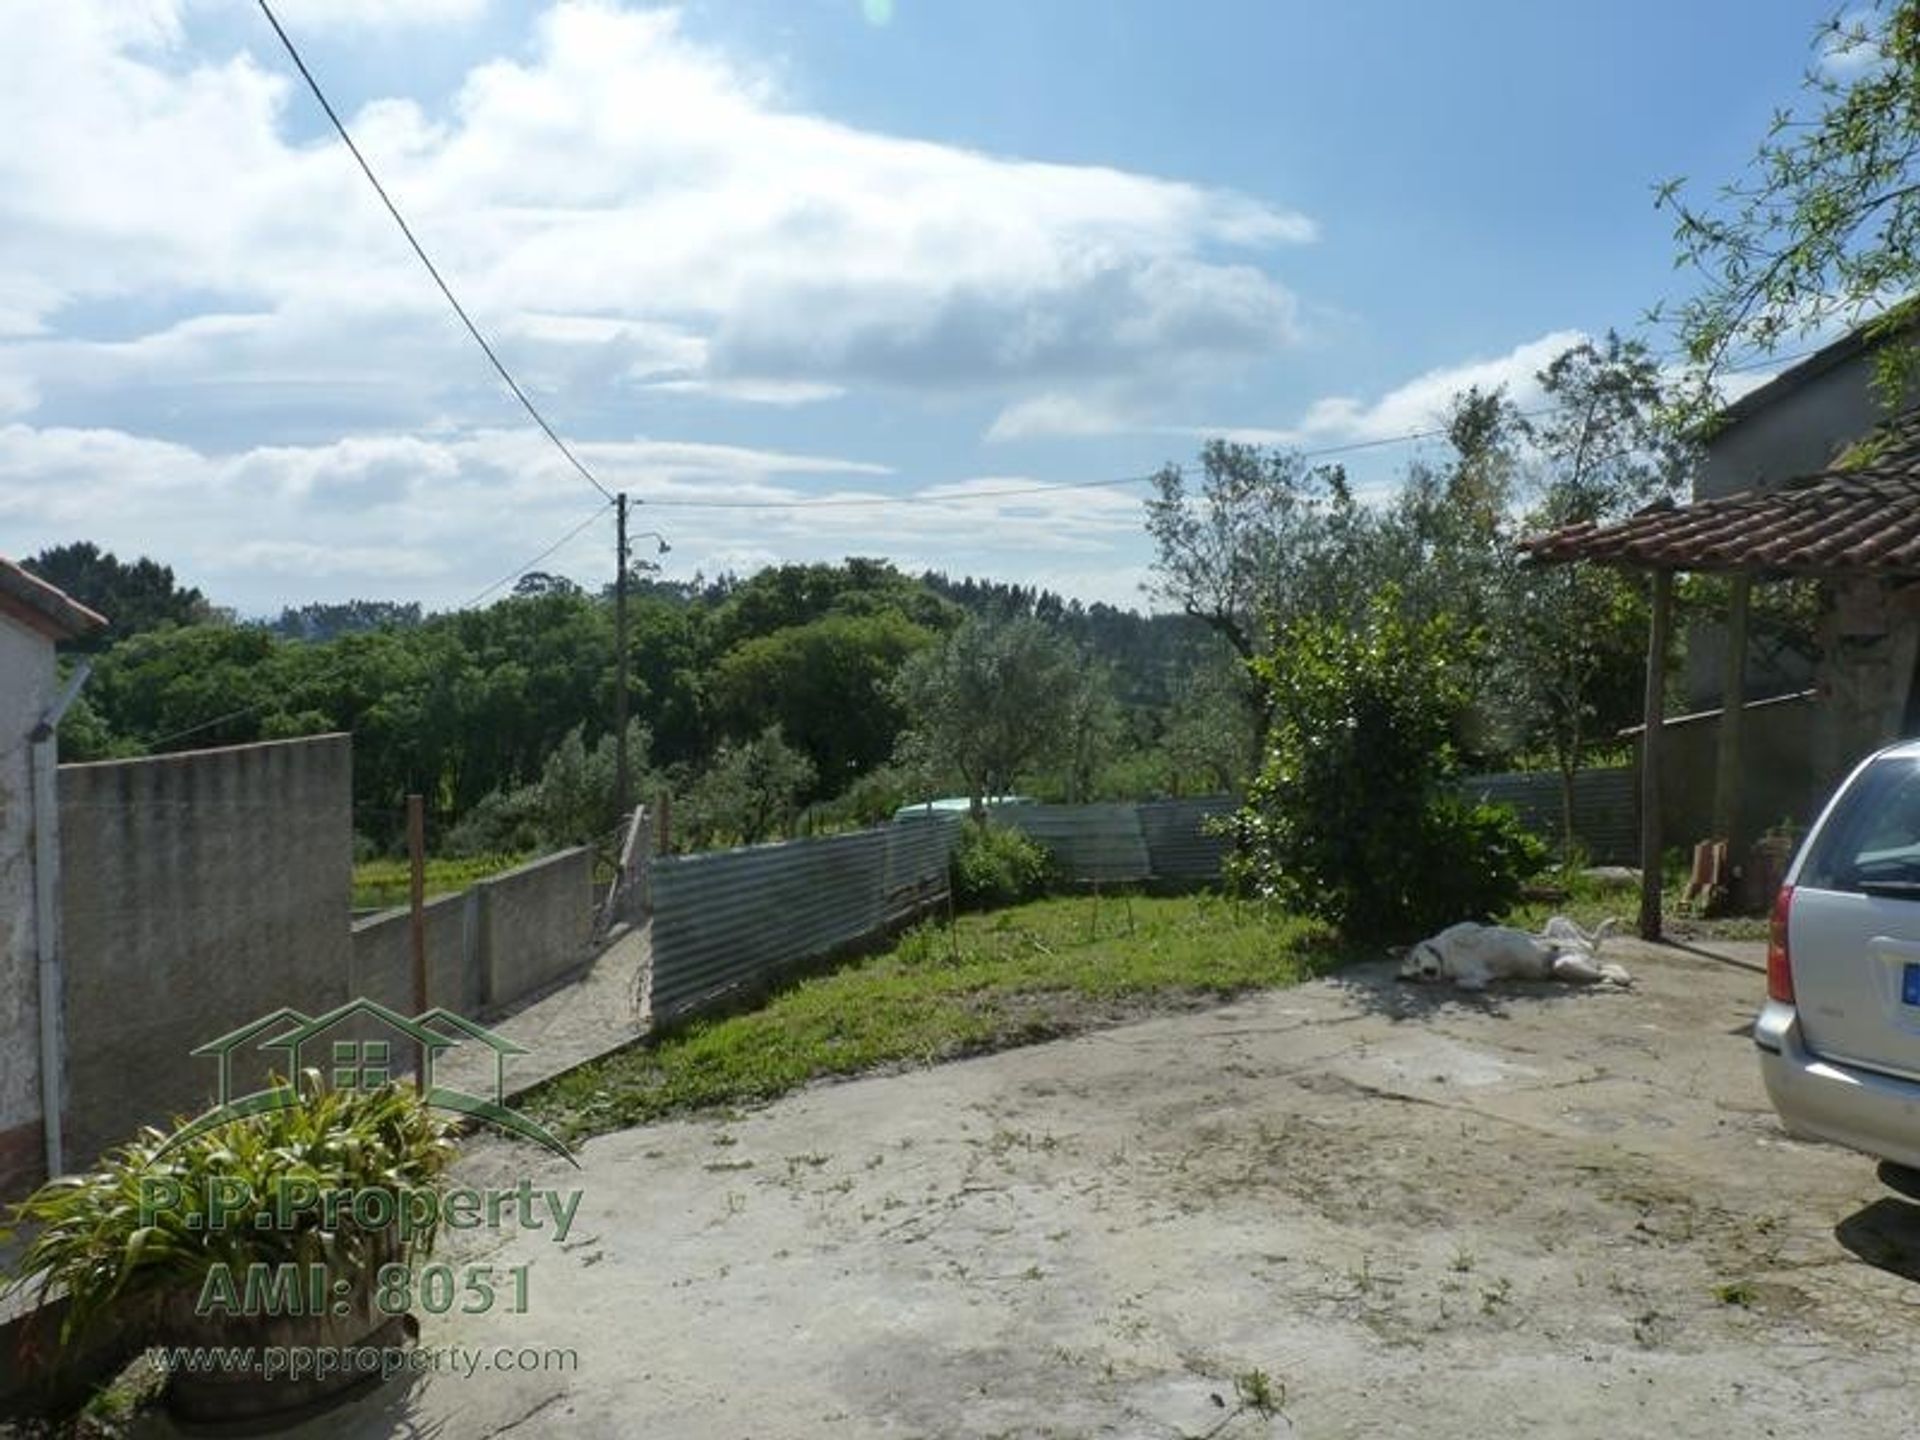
x=161, y=1241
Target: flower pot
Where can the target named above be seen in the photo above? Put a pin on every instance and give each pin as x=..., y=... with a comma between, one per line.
x=348, y=1321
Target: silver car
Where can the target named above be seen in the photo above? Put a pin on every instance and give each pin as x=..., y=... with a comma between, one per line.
x=1839, y=1036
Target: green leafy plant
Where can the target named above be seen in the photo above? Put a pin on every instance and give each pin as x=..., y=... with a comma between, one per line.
x=1351, y=818
x=102, y=1241
x=994, y=865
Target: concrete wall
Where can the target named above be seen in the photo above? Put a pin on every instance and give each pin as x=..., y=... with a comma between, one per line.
x=26, y=689
x=1781, y=782
x=1869, y=643
x=1797, y=433
x=537, y=924
x=383, y=956
x=502, y=940
x=198, y=892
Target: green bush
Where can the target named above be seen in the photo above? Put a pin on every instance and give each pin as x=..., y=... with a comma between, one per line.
x=1352, y=818
x=1486, y=855
x=94, y=1242
x=994, y=865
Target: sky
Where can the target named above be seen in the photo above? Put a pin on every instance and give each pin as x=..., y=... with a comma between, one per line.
x=805, y=278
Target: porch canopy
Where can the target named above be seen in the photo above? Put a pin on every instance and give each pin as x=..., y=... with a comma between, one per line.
x=1858, y=519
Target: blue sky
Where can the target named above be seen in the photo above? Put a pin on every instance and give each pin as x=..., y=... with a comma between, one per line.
x=753, y=252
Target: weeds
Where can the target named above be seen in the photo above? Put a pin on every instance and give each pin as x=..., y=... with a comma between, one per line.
x=1004, y=979
x=1255, y=1393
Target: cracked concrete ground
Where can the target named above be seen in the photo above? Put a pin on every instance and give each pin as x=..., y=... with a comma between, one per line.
x=1534, y=1212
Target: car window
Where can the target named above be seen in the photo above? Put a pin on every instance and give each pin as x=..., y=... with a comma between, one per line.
x=1874, y=833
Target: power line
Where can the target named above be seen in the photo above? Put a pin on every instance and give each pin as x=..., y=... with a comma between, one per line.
x=515, y=575
x=407, y=230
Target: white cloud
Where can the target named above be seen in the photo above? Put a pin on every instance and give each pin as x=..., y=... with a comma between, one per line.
x=1421, y=403
x=375, y=14
x=440, y=519
x=1851, y=51
x=622, y=207
x=1056, y=414
x=215, y=349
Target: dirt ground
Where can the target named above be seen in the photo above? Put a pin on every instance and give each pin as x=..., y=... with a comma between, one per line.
x=1535, y=1212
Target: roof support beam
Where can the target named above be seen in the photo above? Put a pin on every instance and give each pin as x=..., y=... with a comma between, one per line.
x=1733, y=709
x=1655, y=715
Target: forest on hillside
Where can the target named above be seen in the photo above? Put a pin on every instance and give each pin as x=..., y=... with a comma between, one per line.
x=761, y=705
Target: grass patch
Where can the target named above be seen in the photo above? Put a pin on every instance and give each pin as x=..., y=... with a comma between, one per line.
x=1009, y=978
x=384, y=883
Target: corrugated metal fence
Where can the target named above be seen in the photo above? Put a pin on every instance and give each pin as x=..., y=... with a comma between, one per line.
x=1089, y=842
x=1180, y=845
x=730, y=918
x=1606, y=807
x=1153, y=840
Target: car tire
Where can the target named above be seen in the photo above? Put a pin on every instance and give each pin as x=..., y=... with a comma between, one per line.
x=1903, y=1178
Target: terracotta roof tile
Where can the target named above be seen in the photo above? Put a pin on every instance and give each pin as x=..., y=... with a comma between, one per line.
x=1862, y=516
x=45, y=607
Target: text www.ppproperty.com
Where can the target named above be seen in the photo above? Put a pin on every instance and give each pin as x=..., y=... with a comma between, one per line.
x=386, y=1361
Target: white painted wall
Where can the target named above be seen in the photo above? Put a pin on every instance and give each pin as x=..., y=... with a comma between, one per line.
x=27, y=677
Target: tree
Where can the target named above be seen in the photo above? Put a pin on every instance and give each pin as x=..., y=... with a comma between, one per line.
x=134, y=598
x=1827, y=226
x=1257, y=541
x=1206, y=742
x=782, y=596
x=827, y=685
x=323, y=621
x=1574, y=636
x=990, y=703
x=750, y=792
x=1253, y=541
x=1094, y=727
x=1446, y=539
x=540, y=582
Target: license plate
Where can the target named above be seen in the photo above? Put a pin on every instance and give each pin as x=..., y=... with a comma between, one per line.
x=1910, y=984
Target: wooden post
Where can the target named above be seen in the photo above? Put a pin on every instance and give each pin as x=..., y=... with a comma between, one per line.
x=417, y=921
x=1654, y=716
x=621, y=782
x=1733, y=696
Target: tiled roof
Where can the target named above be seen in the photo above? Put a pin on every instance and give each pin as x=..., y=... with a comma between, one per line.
x=45, y=607
x=1861, y=517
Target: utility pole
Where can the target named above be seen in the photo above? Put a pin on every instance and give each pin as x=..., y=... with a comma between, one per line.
x=621, y=781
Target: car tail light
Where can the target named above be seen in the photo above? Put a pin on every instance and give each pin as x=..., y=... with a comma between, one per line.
x=1779, y=959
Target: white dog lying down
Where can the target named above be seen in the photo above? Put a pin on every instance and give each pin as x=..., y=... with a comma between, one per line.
x=1470, y=955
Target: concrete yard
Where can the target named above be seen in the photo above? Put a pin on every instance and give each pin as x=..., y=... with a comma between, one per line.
x=1532, y=1213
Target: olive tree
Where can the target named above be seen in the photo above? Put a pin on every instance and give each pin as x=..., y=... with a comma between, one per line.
x=992, y=702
